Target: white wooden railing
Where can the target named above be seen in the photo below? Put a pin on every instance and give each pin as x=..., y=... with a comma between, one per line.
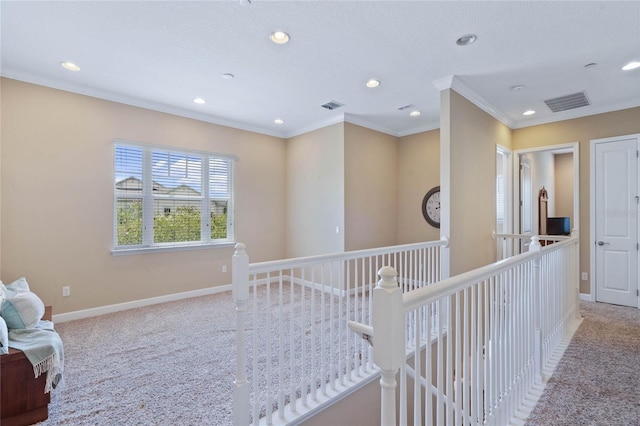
x=475, y=348
x=508, y=245
x=294, y=350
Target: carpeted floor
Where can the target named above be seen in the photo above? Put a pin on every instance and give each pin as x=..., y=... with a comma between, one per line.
x=597, y=381
x=158, y=365
x=174, y=363
x=171, y=364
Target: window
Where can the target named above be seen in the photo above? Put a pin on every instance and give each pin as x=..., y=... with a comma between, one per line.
x=165, y=198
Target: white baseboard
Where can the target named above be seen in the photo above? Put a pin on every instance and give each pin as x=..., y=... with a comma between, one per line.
x=586, y=297
x=101, y=310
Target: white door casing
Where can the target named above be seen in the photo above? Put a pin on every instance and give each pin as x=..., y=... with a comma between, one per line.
x=526, y=212
x=614, y=195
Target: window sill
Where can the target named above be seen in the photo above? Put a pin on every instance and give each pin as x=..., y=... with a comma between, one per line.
x=159, y=249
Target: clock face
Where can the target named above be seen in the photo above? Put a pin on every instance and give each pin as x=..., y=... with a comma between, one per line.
x=431, y=207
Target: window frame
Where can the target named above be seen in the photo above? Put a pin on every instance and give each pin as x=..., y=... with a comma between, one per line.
x=148, y=200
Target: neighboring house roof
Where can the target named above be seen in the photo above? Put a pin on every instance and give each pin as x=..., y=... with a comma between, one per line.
x=183, y=190
x=134, y=184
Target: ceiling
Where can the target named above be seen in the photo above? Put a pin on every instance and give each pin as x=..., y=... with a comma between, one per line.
x=162, y=55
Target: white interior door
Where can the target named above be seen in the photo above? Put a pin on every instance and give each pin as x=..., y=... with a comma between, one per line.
x=616, y=221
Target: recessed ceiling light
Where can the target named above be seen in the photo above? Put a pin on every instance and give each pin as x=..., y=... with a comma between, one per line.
x=228, y=76
x=466, y=39
x=278, y=121
x=631, y=66
x=279, y=37
x=415, y=113
x=373, y=83
x=529, y=112
x=517, y=88
x=70, y=66
x=199, y=101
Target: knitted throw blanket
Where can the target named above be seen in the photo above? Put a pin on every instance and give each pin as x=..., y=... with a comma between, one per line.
x=43, y=348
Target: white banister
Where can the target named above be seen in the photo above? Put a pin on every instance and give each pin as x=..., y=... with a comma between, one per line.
x=300, y=352
x=240, y=292
x=478, y=344
x=389, y=353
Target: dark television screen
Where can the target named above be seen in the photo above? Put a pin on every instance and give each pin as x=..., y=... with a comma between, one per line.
x=558, y=226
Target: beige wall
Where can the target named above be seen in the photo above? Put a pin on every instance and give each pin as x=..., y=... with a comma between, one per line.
x=57, y=203
x=563, y=166
x=370, y=188
x=469, y=148
x=418, y=172
x=581, y=130
x=315, y=192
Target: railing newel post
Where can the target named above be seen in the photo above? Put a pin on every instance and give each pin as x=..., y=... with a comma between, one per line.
x=240, y=283
x=389, y=352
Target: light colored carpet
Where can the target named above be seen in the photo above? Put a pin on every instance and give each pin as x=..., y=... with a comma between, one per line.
x=174, y=363
x=167, y=364
x=597, y=381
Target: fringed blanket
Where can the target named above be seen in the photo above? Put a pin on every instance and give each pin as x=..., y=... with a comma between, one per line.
x=43, y=348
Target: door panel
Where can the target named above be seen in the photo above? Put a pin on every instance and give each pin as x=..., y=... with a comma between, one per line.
x=616, y=222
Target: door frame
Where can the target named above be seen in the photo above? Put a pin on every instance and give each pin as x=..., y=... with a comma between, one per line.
x=573, y=147
x=592, y=209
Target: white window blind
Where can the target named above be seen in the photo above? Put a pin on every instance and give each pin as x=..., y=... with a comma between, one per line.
x=166, y=198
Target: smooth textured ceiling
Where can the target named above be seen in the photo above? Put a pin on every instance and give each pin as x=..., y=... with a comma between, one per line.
x=161, y=55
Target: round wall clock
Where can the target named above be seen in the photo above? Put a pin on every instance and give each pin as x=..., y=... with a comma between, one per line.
x=431, y=207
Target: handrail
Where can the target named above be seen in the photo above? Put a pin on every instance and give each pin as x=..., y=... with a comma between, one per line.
x=312, y=357
x=483, y=341
x=261, y=267
x=421, y=296
x=495, y=236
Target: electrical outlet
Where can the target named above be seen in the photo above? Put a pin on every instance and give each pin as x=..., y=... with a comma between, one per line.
x=224, y=268
x=66, y=291
x=585, y=276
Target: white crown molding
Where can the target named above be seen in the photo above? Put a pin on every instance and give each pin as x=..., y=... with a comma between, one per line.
x=575, y=113
x=359, y=121
x=136, y=102
x=425, y=128
x=481, y=103
x=444, y=83
x=314, y=126
x=453, y=82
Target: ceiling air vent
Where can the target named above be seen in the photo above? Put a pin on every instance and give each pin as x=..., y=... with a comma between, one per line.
x=564, y=103
x=402, y=108
x=332, y=105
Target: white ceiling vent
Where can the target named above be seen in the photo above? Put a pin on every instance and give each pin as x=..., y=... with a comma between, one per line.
x=332, y=105
x=402, y=108
x=564, y=103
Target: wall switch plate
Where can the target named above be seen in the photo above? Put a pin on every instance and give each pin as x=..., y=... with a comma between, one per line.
x=66, y=291
x=585, y=276
x=224, y=268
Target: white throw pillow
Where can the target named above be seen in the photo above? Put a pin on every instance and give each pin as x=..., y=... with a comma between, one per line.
x=20, y=284
x=4, y=337
x=22, y=308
